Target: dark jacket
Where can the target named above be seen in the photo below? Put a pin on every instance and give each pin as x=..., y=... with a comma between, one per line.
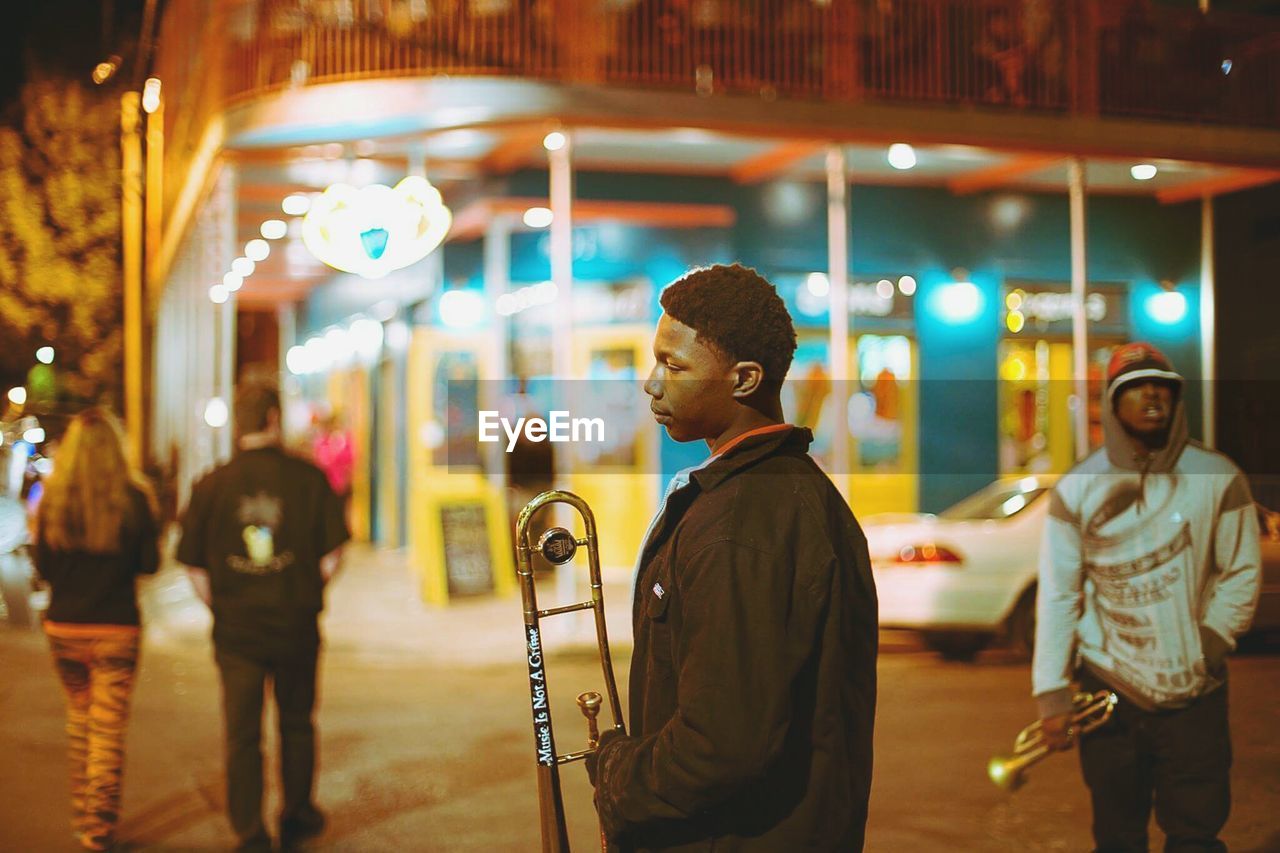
x=259, y=525
x=98, y=589
x=753, y=681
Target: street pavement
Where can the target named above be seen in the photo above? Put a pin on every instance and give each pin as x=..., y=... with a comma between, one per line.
x=426, y=740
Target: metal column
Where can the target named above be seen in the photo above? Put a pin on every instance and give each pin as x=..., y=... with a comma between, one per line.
x=1208, y=326
x=1079, y=320
x=838, y=276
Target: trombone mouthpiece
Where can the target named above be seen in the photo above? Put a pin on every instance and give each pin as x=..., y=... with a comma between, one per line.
x=590, y=703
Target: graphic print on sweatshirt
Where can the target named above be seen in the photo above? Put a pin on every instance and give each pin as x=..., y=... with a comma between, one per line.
x=260, y=516
x=1139, y=564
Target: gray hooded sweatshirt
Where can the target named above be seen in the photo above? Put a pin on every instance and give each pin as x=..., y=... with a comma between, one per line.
x=1149, y=570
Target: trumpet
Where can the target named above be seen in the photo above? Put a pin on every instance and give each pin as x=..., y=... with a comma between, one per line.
x=559, y=546
x=1088, y=711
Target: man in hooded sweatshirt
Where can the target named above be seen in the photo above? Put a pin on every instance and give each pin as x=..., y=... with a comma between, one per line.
x=1148, y=573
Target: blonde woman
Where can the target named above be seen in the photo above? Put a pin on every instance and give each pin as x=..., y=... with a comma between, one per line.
x=96, y=531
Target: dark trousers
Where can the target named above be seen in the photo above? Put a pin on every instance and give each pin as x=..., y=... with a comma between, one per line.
x=1181, y=759
x=293, y=679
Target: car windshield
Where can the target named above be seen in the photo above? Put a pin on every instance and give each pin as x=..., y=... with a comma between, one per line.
x=997, y=501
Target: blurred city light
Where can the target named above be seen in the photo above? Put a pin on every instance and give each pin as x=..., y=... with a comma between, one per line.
x=232, y=282
x=537, y=217
x=151, y=95
x=219, y=294
x=525, y=297
x=105, y=70
x=884, y=288
x=257, y=250
x=242, y=267
x=366, y=336
x=337, y=344
x=398, y=335
x=461, y=308
x=817, y=283
x=297, y=360
x=907, y=285
x=553, y=141
x=215, y=413
x=35, y=435
x=1167, y=307
x=296, y=204
x=1143, y=172
x=958, y=302
x=18, y=395
x=274, y=229
x=902, y=156
x=44, y=355
x=376, y=229
x=1015, y=321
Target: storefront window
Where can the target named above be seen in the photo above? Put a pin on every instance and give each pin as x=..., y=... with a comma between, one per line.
x=875, y=411
x=1036, y=422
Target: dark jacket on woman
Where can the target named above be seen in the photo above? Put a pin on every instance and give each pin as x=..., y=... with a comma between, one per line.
x=98, y=588
x=753, y=680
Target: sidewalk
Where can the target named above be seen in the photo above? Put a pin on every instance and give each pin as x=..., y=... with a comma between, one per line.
x=373, y=612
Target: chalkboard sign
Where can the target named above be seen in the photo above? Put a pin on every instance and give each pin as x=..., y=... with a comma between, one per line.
x=464, y=528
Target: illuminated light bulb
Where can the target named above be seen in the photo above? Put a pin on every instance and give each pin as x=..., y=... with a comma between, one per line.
x=817, y=283
x=44, y=355
x=296, y=204
x=366, y=336
x=232, y=282
x=1014, y=300
x=537, y=217
x=1143, y=171
x=18, y=395
x=1015, y=321
x=554, y=141
x=257, y=250
x=884, y=288
x=151, y=95
x=907, y=285
x=242, y=267
x=274, y=229
x=1167, y=307
x=219, y=294
x=902, y=156
x=215, y=413
x=297, y=360
x=958, y=302
x=35, y=435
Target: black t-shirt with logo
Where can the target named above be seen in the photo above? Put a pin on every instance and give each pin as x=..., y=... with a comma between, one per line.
x=259, y=526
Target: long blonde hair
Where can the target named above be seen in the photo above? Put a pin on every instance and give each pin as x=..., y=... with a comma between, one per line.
x=86, y=499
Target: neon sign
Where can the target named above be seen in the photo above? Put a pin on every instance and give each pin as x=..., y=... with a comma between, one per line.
x=376, y=229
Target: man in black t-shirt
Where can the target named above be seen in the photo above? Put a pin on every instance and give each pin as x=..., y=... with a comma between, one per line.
x=261, y=537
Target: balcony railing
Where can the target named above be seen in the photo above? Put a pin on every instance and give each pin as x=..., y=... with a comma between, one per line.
x=1088, y=57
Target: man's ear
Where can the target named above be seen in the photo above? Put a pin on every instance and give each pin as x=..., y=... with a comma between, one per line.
x=748, y=376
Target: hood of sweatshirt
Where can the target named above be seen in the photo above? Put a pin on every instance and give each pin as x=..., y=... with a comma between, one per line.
x=1126, y=452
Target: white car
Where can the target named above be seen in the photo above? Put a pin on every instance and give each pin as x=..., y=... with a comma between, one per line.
x=966, y=575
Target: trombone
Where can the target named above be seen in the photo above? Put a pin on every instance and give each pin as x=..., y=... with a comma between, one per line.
x=1088, y=711
x=558, y=546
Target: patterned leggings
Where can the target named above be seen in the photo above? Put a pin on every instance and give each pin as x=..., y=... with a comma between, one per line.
x=96, y=664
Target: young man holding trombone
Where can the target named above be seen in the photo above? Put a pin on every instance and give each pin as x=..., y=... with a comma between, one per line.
x=753, y=681
x=1148, y=573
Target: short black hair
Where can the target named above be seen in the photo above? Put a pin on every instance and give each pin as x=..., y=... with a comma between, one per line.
x=255, y=400
x=736, y=310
